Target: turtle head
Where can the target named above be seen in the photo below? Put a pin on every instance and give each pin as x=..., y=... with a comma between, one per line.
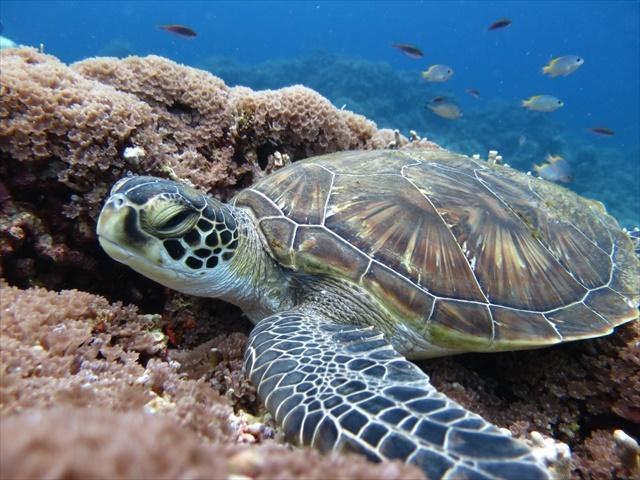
x=171, y=233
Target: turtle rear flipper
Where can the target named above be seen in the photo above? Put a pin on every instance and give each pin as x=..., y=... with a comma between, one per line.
x=343, y=387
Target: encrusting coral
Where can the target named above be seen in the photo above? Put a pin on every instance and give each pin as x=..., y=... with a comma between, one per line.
x=94, y=443
x=97, y=374
x=172, y=374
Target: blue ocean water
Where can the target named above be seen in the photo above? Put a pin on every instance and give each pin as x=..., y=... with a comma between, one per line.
x=343, y=50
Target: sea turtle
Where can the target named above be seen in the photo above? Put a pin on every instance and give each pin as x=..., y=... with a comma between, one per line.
x=349, y=263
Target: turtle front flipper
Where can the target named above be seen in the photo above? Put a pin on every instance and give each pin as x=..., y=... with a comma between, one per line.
x=343, y=387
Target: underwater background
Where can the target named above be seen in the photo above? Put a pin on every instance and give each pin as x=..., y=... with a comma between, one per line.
x=344, y=51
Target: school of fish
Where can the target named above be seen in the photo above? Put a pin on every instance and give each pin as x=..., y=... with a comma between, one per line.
x=555, y=167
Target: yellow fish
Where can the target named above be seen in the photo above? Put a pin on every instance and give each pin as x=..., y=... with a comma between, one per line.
x=563, y=66
x=542, y=103
x=444, y=108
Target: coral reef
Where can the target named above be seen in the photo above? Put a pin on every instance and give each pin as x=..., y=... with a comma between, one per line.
x=64, y=132
x=73, y=452
x=166, y=370
x=99, y=374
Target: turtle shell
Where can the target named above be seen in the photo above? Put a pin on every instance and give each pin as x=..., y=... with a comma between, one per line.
x=469, y=255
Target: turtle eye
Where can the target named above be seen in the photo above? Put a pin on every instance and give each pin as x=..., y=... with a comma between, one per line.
x=168, y=221
x=175, y=220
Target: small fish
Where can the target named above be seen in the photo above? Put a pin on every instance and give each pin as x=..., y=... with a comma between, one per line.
x=522, y=140
x=542, y=103
x=604, y=131
x=438, y=73
x=557, y=169
x=473, y=92
x=180, y=30
x=498, y=24
x=409, y=50
x=563, y=66
x=444, y=108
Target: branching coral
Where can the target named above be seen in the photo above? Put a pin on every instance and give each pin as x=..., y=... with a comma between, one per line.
x=74, y=348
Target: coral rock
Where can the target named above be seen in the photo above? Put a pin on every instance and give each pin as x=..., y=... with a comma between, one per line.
x=67, y=134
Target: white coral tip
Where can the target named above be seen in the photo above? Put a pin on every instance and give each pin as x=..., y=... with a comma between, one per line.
x=133, y=153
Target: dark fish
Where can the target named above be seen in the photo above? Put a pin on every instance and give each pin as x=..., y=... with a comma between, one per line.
x=180, y=30
x=607, y=132
x=439, y=99
x=409, y=50
x=503, y=22
x=473, y=92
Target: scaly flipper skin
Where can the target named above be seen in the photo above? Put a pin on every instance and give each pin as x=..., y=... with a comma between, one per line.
x=344, y=387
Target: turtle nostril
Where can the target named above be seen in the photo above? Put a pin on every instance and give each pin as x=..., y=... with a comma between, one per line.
x=117, y=201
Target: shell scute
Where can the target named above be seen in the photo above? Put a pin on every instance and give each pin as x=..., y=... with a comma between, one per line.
x=261, y=205
x=611, y=304
x=364, y=163
x=515, y=328
x=511, y=265
x=319, y=251
x=455, y=324
x=404, y=298
x=300, y=193
x=551, y=220
x=625, y=281
x=576, y=321
x=280, y=232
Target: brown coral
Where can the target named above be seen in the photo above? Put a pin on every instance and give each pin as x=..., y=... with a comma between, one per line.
x=93, y=443
x=75, y=348
x=64, y=130
x=190, y=109
x=301, y=119
x=95, y=374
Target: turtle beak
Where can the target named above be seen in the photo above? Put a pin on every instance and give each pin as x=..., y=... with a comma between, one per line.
x=110, y=228
x=119, y=232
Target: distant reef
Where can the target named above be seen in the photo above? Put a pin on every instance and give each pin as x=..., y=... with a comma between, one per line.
x=396, y=99
x=93, y=354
